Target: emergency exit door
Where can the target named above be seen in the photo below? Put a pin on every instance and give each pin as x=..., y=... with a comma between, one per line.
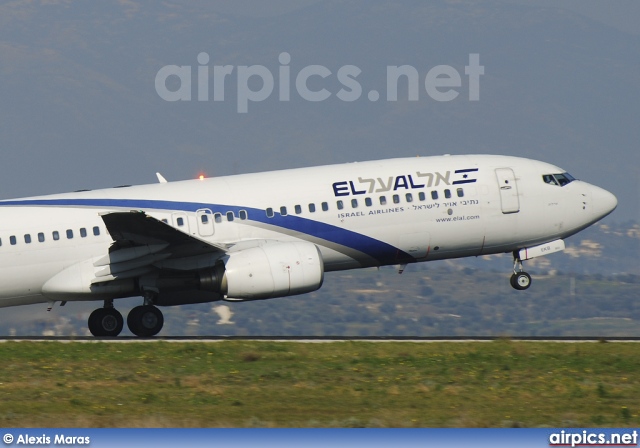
x=204, y=217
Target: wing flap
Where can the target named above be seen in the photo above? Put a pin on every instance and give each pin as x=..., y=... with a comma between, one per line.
x=119, y=268
x=132, y=253
x=123, y=275
x=141, y=241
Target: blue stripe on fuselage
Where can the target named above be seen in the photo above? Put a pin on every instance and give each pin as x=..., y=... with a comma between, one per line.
x=379, y=250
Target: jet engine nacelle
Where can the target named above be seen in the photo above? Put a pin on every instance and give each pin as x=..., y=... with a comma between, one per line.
x=273, y=270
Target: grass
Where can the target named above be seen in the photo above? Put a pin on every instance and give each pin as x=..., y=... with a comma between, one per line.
x=340, y=384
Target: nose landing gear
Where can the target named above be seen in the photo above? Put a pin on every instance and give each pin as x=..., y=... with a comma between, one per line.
x=520, y=280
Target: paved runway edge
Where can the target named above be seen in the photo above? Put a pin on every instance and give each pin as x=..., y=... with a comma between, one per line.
x=322, y=339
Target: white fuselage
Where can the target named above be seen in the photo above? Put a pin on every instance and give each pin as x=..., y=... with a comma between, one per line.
x=358, y=215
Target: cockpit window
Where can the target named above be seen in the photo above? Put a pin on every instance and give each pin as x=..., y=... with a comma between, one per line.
x=558, y=179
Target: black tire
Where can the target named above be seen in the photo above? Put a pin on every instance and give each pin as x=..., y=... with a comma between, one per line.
x=145, y=321
x=94, y=318
x=132, y=320
x=105, y=322
x=512, y=281
x=521, y=281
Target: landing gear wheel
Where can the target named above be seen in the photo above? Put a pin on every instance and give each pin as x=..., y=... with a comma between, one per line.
x=105, y=322
x=520, y=281
x=145, y=320
x=512, y=281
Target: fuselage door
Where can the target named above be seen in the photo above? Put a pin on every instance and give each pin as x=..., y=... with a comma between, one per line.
x=508, y=190
x=204, y=217
x=180, y=221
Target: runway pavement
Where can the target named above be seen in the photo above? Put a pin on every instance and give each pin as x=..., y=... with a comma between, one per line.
x=315, y=339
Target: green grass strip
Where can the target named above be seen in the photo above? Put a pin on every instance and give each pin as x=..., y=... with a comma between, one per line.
x=339, y=384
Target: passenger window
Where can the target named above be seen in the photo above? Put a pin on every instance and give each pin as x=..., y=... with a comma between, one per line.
x=0, y=242
x=298, y=209
x=56, y=235
x=396, y=199
x=41, y=237
x=69, y=234
x=283, y=211
x=217, y=217
x=422, y=196
x=409, y=197
x=27, y=238
x=447, y=194
x=340, y=205
x=204, y=218
x=13, y=240
x=383, y=200
x=368, y=202
x=96, y=229
x=83, y=232
x=354, y=203
x=325, y=206
x=312, y=208
x=460, y=192
x=434, y=195
x=180, y=222
x=269, y=213
x=243, y=214
x=230, y=216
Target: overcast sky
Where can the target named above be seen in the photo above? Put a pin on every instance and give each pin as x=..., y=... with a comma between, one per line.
x=79, y=107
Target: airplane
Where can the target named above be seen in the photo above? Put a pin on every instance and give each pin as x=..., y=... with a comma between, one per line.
x=274, y=234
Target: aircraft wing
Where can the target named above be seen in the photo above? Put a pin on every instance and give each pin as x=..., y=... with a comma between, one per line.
x=136, y=228
x=141, y=240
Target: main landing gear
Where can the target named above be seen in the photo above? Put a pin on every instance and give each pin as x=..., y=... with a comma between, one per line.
x=144, y=321
x=106, y=321
x=520, y=280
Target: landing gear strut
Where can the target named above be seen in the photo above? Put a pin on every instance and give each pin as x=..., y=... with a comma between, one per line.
x=520, y=280
x=106, y=321
x=145, y=320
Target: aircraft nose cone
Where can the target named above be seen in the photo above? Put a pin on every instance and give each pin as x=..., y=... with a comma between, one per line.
x=603, y=202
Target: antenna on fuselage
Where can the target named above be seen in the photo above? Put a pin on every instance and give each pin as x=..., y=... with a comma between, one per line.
x=161, y=178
